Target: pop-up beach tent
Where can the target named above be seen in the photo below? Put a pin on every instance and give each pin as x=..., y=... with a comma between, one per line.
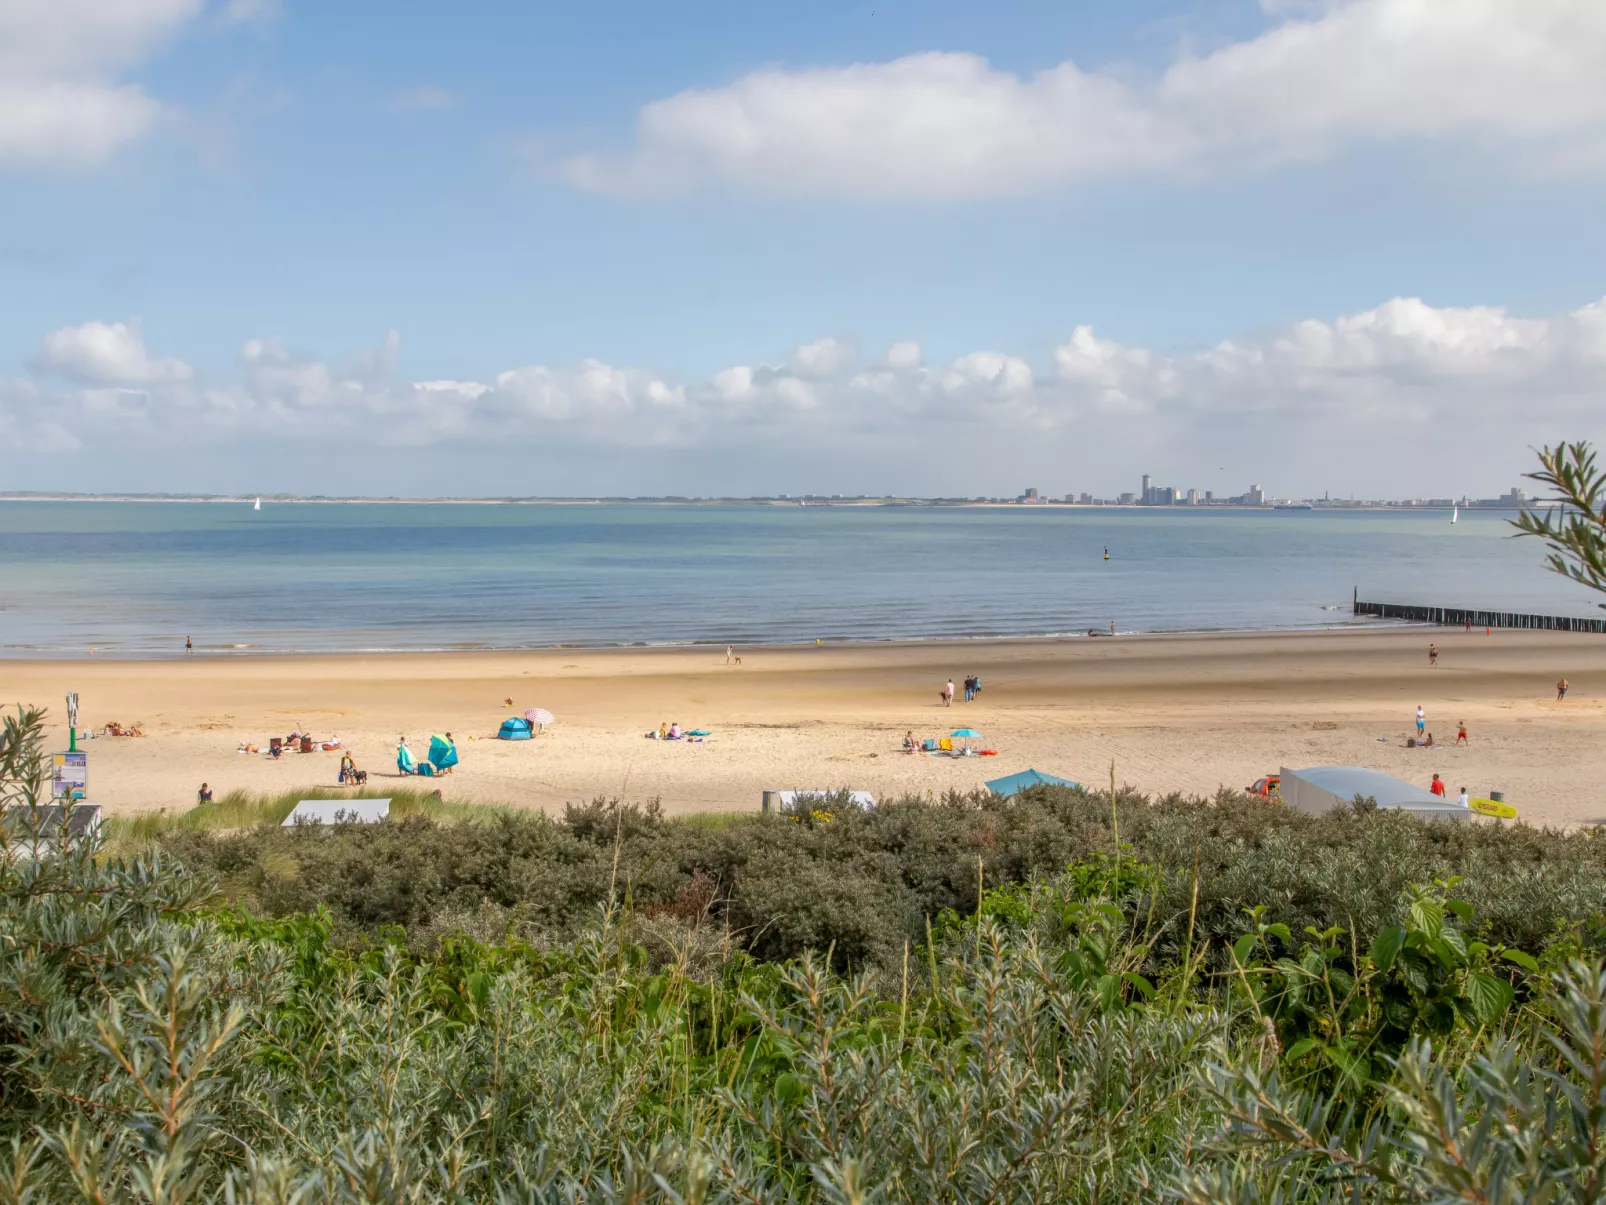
x=515, y=728
x=442, y=753
x=1320, y=789
x=1014, y=784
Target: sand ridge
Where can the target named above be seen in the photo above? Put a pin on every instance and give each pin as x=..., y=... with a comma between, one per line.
x=1176, y=713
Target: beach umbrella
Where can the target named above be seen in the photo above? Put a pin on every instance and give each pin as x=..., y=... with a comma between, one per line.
x=539, y=715
x=970, y=732
x=1013, y=784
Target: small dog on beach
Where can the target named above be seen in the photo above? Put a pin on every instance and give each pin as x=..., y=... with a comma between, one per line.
x=360, y=778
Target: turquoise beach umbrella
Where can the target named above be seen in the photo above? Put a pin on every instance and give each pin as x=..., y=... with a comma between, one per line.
x=1014, y=784
x=970, y=732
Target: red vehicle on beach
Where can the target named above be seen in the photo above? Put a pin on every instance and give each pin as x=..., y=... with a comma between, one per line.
x=1264, y=788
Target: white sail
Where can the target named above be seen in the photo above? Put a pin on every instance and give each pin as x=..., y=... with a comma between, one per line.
x=258, y=505
x=1455, y=514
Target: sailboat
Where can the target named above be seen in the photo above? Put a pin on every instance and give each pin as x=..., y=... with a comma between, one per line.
x=1455, y=514
x=257, y=505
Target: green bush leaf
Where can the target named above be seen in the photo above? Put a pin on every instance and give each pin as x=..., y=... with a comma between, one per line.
x=1526, y=961
x=1386, y=947
x=1243, y=947
x=1490, y=996
x=1302, y=1047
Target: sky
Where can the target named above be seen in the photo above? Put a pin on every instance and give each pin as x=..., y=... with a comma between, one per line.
x=257, y=246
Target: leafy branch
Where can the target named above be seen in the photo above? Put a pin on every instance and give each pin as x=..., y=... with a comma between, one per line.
x=1575, y=529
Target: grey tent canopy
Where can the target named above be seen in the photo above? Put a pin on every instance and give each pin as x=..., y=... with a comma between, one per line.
x=1320, y=789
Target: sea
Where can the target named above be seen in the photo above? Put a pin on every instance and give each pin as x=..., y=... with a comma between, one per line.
x=134, y=579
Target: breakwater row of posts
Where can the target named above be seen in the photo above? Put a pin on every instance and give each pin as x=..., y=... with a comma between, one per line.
x=1460, y=617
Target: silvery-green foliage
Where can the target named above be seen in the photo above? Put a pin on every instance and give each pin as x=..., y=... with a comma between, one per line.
x=157, y=1052
x=1510, y=1127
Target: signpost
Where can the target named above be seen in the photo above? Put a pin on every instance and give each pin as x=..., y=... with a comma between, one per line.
x=70, y=770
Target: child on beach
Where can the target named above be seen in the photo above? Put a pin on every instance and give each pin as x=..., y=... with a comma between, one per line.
x=1461, y=733
x=1421, y=720
x=1561, y=690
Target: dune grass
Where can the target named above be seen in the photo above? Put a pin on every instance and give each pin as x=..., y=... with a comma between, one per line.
x=244, y=810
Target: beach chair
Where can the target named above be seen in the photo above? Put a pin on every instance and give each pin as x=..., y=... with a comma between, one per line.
x=946, y=744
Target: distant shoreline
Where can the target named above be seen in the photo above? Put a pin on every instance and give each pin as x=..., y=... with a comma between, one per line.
x=810, y=502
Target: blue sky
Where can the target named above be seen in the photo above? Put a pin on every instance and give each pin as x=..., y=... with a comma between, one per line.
x=609, y=234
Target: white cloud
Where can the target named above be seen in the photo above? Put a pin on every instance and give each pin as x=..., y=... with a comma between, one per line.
x=425, y=96
x=821, y=360
x=1487, y=72
x=1396, y=384
x=106, y=353
x=62, y=100
x=903, y=355
x=1403, y=359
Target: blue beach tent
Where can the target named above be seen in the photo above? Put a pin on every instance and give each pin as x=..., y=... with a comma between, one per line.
x=1014, y=784
x=442, y=753
x=516, y=728
x=406, y=764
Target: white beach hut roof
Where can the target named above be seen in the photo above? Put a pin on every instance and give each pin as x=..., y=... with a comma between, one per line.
x=334, y=811
x=1320, y=789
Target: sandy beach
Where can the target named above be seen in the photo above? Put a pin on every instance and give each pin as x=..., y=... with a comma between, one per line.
x=1175, y=713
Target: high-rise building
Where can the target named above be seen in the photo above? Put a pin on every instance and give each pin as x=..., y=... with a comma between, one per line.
x=1147, y=496
x=1193, y=497
x=1257, y=496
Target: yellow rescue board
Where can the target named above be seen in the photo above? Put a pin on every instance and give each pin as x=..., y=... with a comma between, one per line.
x=1493, y=807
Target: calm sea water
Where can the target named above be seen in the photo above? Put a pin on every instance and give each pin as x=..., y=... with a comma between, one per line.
x=136, y=578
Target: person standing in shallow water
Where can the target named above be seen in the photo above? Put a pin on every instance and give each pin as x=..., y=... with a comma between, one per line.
x=189, y=646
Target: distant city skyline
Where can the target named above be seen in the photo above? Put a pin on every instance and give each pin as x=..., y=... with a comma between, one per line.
x=933, y=248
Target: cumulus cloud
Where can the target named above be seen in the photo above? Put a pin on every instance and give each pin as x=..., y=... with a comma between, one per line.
x=821, y=360
x=1404, y=379
x=1487, y=72
x=106, y=353
x=1403, y=359
x=63, y=101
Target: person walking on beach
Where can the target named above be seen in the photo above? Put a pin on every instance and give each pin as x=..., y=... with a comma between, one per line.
x=1437, y=786
x=727, y=655
x=1463, y=798
x=1433, y=654
x=1561, y=690
x=1421, y=721
x=189, y=646
x=948, y=694
x=1461, y=733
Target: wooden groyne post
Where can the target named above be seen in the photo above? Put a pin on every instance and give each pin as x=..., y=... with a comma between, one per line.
x=1458, y=617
